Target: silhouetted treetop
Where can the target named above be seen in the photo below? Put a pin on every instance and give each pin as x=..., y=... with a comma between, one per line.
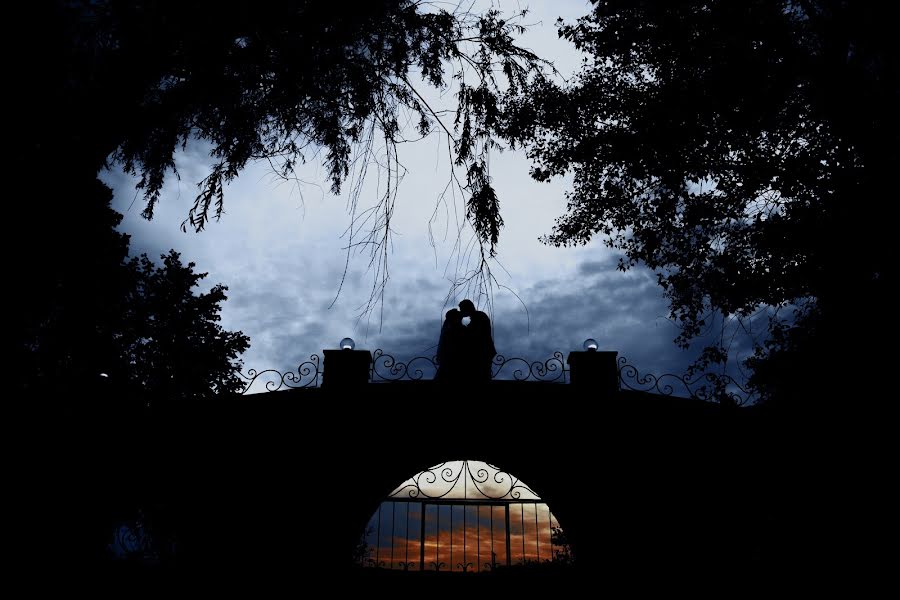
x=171, y=342
x=139, y=329
x=733, y=147
x=285, y=81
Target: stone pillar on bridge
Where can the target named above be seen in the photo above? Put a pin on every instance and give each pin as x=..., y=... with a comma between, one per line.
x=594, y=369
x=346, y=367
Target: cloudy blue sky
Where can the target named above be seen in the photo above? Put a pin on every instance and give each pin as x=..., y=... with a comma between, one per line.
x=279, y=248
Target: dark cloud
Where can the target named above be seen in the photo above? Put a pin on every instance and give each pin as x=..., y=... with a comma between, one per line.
x=593, y=267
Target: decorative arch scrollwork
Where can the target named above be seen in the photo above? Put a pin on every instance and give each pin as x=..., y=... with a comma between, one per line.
x=475, y=480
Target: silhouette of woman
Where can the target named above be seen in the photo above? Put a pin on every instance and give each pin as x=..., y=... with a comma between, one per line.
x=478, y=343
x=449, y=357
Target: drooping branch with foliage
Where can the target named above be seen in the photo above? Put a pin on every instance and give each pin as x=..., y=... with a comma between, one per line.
x=288, y=82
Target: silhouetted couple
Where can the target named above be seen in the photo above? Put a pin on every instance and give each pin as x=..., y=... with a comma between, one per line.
x=466, y=347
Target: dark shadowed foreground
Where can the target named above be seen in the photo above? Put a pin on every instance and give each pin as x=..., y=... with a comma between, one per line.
x=654, y=493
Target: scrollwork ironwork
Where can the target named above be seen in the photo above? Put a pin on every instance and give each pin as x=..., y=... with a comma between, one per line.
x=551, y=370
x=709, y=387
x=387, y=368
x=480, y=481
x=307, y=375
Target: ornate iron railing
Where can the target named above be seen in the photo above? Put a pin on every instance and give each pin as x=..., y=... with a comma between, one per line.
x=710, y=387
x=386, y=368
x=308, y=374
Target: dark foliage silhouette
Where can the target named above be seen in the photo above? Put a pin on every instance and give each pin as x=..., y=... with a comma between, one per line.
x=173, y=344
x=73, y=289
x=562, y=550
x=739, y=149
x=362, y=551
x=283, y=82
x=132, y=84
x=131, y=326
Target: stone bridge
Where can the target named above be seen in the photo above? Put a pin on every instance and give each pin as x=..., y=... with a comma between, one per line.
x=278, y=487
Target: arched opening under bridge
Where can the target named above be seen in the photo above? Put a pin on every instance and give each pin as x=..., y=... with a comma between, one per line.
x=464, y=516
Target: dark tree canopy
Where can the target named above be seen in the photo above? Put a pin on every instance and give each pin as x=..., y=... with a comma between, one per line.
x=172, y=346
x=283, y=82
x=139, y=330
x=740, y=149
x=147, y=334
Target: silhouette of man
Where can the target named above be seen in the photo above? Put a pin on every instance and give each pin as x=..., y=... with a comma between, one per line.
x=449, y=350
x=478, y=342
